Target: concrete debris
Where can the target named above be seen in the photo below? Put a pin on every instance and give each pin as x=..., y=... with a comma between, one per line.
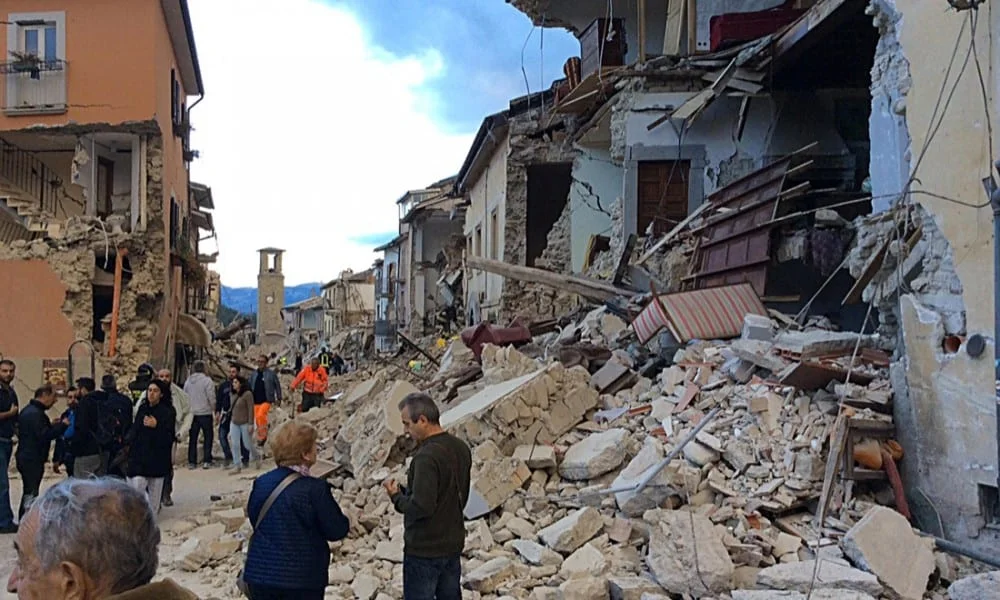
x=798, y=577
x=686, y=554
x=554, y=510
x=984, y=586
x=596, y=455
x=883, y=543
x=573, y=530
x=488, y=577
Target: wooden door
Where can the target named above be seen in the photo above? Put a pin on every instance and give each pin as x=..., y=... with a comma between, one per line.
x=663, y=194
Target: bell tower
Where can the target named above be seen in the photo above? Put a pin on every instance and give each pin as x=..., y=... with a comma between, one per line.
x=270, y=294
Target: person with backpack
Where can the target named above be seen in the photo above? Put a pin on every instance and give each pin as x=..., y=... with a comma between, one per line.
x=114, y=421
x=85, y=445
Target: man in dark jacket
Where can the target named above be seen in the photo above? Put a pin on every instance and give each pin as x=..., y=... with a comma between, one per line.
x=34, y=438
x=116, y=414
x=62, y=455
x=85, y=446
x=433, y=504
x=8, y=422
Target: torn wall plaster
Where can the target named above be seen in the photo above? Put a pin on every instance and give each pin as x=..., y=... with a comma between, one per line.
x=890, y=140
x=945, y=457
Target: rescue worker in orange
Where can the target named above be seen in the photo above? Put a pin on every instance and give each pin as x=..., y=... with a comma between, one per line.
x=315, y=380
x=266, y=391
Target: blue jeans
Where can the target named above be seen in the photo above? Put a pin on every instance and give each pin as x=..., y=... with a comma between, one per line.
x=6, y=512
x=432, y=578
x=240, y=434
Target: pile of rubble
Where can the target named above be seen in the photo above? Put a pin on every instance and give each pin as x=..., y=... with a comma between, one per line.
x=573, y=495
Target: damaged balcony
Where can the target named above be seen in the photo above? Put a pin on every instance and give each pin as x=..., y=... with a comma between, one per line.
x=33, y=86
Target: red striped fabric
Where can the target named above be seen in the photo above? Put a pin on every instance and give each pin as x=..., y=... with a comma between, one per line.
x=712, y=313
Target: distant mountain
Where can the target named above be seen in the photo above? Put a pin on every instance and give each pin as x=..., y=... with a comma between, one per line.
x=245, y=299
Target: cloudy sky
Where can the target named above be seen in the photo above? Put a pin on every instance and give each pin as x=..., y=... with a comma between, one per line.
x=319, y=116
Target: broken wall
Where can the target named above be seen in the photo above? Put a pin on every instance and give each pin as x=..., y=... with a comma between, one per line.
x=528, y=147
x=939, y=397
x=775, y=126
x=597, y=183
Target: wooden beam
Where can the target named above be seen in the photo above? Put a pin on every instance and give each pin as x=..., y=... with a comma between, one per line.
x=582, y=286
x=116, y=301
x=672, y=233
x=676, y=11
x=692, y=26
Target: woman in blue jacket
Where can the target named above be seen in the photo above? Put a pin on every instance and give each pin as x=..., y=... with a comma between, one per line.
x=289, y=553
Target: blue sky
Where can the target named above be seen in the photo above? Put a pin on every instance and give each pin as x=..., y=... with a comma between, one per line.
x=480, y=42
x=310, y=155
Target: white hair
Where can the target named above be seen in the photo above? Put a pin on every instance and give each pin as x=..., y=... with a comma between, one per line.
x=103, y=526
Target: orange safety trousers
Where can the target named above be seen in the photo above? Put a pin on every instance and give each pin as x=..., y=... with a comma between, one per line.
x=260, y=419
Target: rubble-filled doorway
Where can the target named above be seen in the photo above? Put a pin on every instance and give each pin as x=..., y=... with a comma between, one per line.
x=548, y=192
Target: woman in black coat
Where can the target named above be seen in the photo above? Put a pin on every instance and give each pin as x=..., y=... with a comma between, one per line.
x=151, y=441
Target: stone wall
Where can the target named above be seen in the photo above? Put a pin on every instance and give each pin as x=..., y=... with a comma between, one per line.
x=529, y=146
x=944, y=406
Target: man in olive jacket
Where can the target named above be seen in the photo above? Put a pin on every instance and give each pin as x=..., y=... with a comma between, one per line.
x=432, y=505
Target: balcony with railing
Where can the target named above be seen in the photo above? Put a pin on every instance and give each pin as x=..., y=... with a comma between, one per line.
x=33, y=86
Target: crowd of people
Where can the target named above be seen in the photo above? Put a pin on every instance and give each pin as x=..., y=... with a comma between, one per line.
x=119, y=456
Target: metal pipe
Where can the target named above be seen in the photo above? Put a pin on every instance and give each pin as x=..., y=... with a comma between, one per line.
x=116, y=301
x=988, y=559
x=638, y=487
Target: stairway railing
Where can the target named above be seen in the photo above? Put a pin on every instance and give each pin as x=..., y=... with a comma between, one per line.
x=29, y=174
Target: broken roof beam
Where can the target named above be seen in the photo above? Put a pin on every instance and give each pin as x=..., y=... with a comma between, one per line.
x=592, y=289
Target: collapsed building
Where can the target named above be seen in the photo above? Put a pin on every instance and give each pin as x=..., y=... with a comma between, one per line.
x=809, y=148
x=101, y=223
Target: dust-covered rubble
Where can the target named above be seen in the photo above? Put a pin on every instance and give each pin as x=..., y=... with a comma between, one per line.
x=555, y=511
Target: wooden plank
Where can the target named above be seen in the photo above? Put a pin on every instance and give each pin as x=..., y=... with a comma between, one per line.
x=623, y=260
x=871, y=269
x=672, y=234
x=582, y=286
x=641, y=7
x=736, y=83
x=692, y=27
x=838, y=440
x=676, y=15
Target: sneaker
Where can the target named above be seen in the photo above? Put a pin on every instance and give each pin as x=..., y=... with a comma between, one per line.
x=192, y=466
x=206, y=466
x=237, y=471
x=9, y=529
x=167, y=502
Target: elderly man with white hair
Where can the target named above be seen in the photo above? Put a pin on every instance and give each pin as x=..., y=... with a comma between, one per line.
x=90, y=539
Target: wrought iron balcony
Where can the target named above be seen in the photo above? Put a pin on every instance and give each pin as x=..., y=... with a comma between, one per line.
x=33, y=87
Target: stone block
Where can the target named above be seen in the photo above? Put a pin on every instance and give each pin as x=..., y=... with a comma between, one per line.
x=785, y=595
x=231, y=519
x=589, y=588
x=572, y=531
x=536, y=456
x=984, y=586
x=674, y=537
x=368, y=436
x=490, y=576
x=700, y=454
x=494, y=484
x=757, y=328
x=883, y=543
x=391, y=551
x=365, y=587
x=634, y=504
x=632, y=588
x=798, y=577
x=536, y=554
x=587, y=561
x=596, y=455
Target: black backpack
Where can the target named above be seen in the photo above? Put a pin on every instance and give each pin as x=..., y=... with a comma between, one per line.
x=110, y=430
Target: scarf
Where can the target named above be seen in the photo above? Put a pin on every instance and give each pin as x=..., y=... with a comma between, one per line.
x=302, y=470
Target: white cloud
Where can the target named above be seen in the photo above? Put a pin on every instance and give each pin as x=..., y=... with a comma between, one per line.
x=308, y=134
